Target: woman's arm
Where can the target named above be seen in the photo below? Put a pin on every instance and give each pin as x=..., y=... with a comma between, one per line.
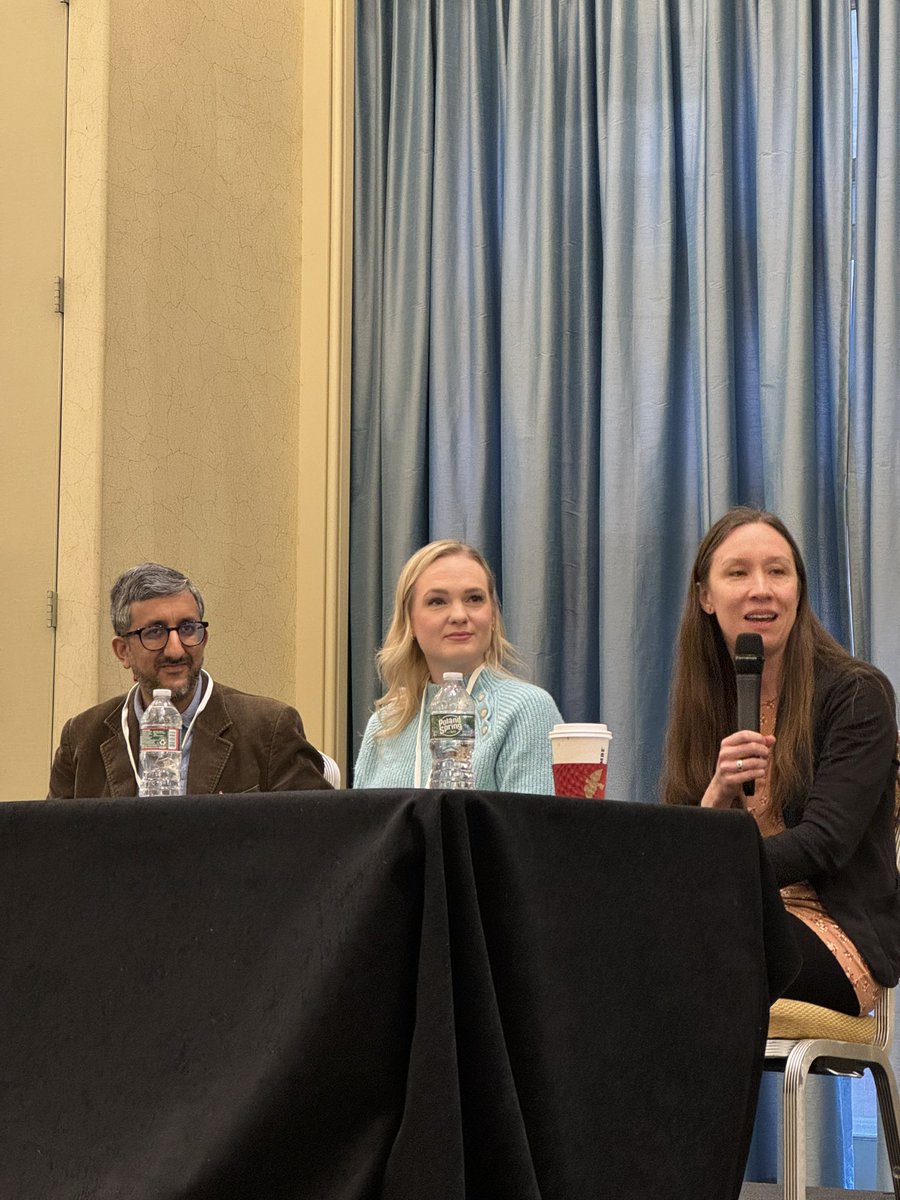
x=522, y=722
x=856, y=728
x=388, y=762
x=366, y=759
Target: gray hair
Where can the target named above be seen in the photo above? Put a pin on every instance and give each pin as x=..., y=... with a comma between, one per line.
x=148, y=581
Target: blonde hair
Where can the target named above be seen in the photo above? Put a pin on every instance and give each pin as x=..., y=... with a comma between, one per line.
x=400, y=661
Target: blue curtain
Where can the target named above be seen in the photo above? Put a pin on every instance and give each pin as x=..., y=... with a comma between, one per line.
x=874, y=461
x=603, y=291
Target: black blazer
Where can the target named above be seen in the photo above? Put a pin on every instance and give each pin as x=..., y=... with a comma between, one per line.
x=840, y=835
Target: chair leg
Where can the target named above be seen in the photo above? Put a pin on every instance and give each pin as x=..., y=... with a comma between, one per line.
x=889, y=1109
x=794, y=1125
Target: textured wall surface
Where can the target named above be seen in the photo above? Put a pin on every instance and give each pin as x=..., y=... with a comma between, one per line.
x=182, y=365
x=205, y=345
x=200, y=415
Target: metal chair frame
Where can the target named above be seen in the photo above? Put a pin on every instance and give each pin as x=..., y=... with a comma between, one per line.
x=799, y=1057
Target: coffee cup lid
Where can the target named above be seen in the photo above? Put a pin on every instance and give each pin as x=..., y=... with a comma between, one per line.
x=585, y=729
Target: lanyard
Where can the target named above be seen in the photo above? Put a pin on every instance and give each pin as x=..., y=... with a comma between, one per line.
x=417, y=777
x=200, y=707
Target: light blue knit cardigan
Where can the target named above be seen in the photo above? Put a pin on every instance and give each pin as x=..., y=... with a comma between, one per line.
x=512, y=747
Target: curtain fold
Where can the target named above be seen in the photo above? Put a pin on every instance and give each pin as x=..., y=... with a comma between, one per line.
x=550, y=348
x=874, y=427
x=874, y=460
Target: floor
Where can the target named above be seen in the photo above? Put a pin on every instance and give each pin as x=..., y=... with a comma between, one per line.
x=771, y=1191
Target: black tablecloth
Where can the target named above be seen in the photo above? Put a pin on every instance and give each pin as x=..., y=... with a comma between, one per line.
x=407, y=995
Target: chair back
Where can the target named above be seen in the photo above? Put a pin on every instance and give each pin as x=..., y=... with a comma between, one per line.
x=331, y=770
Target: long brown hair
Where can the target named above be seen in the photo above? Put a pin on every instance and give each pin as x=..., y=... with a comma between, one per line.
x=703, y=695
x=400, y=661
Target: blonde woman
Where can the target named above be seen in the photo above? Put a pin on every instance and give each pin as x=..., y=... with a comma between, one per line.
x=447, y=618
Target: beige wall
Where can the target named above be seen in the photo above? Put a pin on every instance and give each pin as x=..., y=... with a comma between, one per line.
x=32, y=156
x=205, y=366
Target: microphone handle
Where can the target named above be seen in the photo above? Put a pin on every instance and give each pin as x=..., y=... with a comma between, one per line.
x=748, y=687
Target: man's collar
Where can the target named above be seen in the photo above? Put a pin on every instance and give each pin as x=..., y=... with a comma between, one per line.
x=188, y=715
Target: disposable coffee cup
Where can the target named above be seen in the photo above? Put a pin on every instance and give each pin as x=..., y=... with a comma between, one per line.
x=580, y=758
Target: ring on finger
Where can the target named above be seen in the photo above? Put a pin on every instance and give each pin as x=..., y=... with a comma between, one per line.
x=740, y=764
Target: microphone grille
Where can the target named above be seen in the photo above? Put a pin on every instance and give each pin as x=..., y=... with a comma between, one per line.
x=748, y=654
x=748, y=645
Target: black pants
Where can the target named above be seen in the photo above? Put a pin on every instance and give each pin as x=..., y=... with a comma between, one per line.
x=821, y=979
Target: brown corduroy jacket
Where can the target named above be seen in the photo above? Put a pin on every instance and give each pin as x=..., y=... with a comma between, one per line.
x=240, y=743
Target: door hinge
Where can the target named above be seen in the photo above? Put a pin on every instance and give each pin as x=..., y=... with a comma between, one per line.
x=52, y=604
x=59, y=295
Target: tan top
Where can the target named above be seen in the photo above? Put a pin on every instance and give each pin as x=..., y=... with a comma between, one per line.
x=802, y=900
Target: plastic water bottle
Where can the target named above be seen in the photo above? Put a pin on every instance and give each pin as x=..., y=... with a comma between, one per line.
x=161, y=747
x=452, y=728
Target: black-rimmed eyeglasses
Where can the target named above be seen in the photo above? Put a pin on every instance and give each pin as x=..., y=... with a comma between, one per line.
x=154, y=637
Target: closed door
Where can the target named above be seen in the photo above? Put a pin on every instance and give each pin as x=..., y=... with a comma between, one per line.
x=33, y=37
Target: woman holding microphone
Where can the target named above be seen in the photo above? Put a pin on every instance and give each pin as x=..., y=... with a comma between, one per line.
x=823, y=763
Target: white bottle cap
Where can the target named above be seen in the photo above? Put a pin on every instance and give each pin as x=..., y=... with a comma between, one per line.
x=452, y=676
x=162, y=694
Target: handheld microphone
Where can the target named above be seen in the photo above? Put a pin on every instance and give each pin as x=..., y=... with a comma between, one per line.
x=748, y=666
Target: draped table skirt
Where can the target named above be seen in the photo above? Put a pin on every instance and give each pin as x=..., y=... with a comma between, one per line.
x=402, y=995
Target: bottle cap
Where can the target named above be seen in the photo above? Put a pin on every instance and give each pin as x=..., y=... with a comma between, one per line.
x=162, y=694
x=452, y=676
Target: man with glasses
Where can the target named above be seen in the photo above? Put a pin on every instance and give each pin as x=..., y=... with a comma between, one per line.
x=231, y=741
